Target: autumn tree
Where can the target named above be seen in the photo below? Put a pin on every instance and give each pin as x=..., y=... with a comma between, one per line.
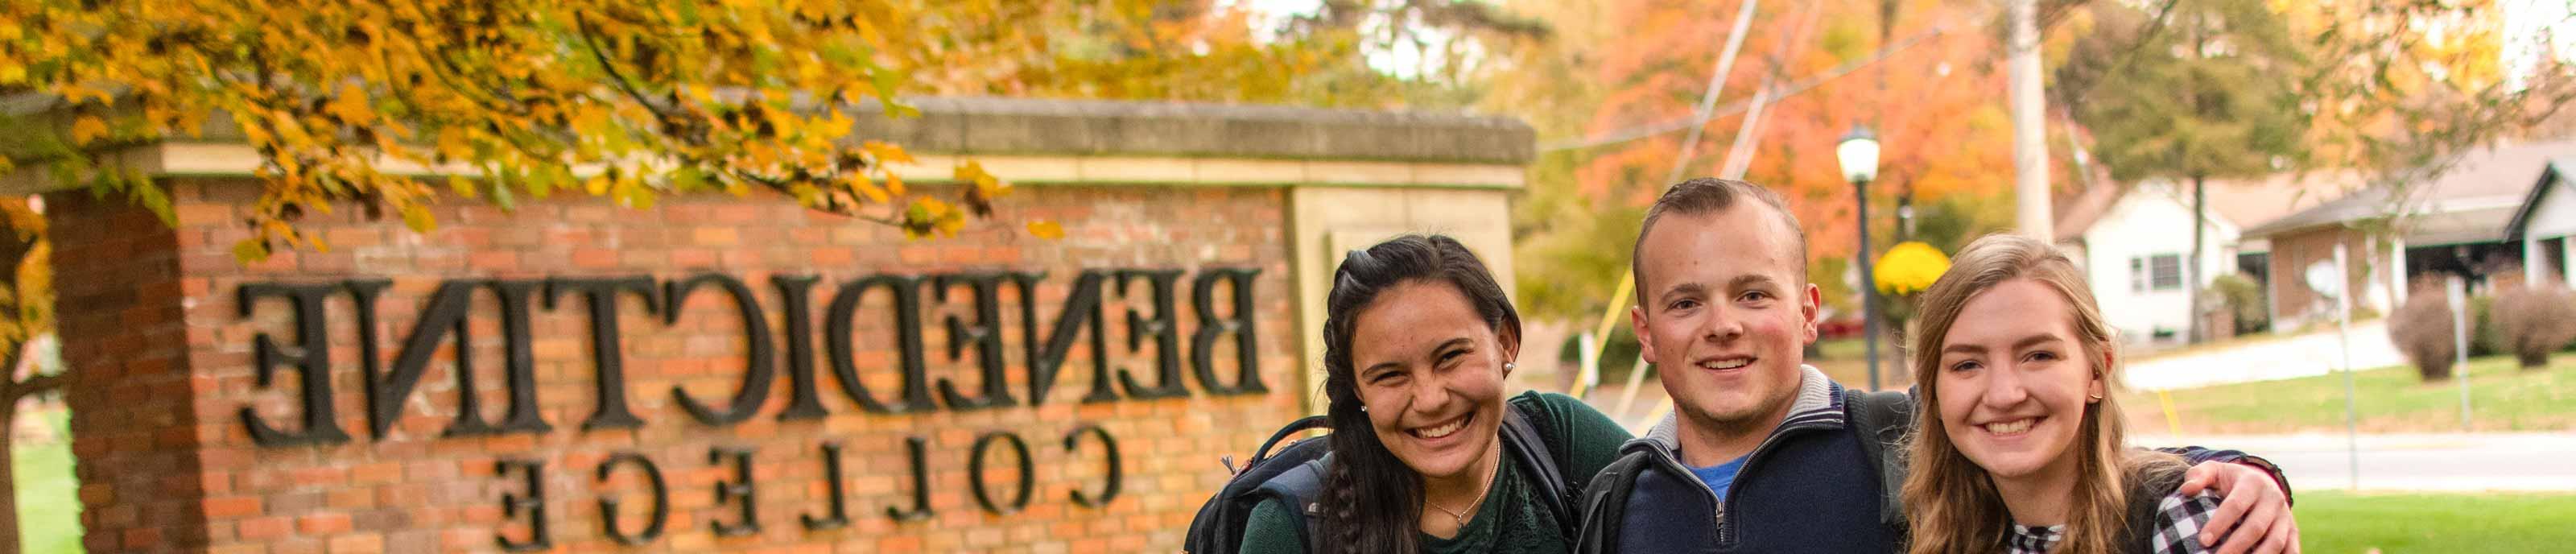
x=2402, y=89
x=386, y=108
x=26, y=312
x=2192, y=91
x=1932, y=92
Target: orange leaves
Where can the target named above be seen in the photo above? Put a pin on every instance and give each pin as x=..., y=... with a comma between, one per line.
x=1934, y=104
x=1048, y=230
x=981, y=187
x=930, y=217
x=88, y=128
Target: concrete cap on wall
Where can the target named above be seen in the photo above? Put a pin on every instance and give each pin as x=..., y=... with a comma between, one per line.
x=978, y=125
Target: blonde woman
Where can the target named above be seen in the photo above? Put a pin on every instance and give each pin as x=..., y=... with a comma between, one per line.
x=2022, y=447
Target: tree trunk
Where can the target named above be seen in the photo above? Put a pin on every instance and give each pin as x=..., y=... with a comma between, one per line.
x=2191, y=275
x=8, y=472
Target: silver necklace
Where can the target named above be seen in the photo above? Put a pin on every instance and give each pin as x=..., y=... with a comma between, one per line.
x=1460, y=516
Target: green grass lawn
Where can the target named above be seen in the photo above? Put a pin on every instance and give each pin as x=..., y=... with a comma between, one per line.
x=2340, y=523
x=48, y=498
x=2392, y=399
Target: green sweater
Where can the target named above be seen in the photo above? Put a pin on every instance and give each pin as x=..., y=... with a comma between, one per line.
x=1512, y=519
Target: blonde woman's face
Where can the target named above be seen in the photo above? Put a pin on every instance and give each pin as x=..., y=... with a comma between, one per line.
x=2014, y=381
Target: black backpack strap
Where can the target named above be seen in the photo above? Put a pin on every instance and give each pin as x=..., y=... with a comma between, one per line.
x=1300, y=488
x=1523, y=441
x=1605, y=504
x=1302, y=424
x=1880, y=419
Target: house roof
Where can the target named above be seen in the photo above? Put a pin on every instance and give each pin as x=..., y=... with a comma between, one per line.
x=2559, y=170
x=2238, y=203
x=2075, y=215
x=2481, y=181
x=2252, y=202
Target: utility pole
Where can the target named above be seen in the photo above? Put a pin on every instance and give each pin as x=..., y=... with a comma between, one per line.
x=1905, y=190
x=2030, y=136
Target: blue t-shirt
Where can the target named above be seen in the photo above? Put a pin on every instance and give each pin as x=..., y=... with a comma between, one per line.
x=1719, y=477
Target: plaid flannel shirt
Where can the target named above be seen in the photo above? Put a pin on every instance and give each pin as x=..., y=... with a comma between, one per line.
x=2177, y=532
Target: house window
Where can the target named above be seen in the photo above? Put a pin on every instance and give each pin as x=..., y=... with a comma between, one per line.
x=2137, y=274
x=2166, y=270
x=2160, y=272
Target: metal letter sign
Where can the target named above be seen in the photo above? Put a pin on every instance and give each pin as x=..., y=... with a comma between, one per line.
x=1223, y=306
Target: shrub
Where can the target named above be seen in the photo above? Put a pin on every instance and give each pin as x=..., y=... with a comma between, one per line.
x=2534, y=321
x=2244, y=299
x=2422, y=330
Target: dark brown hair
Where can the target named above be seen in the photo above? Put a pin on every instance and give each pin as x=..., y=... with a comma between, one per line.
x=1372, y=501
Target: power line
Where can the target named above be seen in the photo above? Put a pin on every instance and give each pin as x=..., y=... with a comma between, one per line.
x=1695, y=120
x=1716, y=83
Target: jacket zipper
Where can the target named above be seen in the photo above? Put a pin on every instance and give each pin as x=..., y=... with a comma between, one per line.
x=1726, y=531
x=1672, y=463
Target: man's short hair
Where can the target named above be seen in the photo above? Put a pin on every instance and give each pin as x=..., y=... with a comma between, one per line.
x=1708, y=195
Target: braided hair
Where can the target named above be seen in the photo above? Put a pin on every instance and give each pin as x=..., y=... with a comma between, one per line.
x=1372, y=501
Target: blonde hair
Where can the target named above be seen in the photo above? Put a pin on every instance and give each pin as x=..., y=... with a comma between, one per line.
x=1951, y=503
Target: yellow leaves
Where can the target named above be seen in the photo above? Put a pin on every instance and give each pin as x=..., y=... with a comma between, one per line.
x=1045, y=229
x=860, y=187
x=88, y=128
x=982, y=187
x=249, y=251
x=931, y=217
x=1909, y=268
x=351, y=106
x=885, y=152
x=76, y=93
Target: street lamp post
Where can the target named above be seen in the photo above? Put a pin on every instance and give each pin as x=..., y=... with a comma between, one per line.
x=1858, y=153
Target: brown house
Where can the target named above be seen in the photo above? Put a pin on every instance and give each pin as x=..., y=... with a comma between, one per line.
x=2455, y=224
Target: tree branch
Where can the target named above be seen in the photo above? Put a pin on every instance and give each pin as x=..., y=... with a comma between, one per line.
x=31, y=386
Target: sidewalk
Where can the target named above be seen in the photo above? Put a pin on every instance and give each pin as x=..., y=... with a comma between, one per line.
x=2444, y=462
x=2315, y=353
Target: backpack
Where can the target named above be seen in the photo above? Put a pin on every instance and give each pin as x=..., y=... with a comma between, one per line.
x=1295, y=475
x=1879, y=418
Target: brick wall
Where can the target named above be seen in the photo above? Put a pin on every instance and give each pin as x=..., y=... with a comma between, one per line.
x=165, y=358
x=2292, y=301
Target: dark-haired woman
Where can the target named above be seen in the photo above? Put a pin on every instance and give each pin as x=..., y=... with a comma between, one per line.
x=1417, y=341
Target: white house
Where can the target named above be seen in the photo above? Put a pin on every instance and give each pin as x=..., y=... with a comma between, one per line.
x=2133, y=249
x=2543, y=224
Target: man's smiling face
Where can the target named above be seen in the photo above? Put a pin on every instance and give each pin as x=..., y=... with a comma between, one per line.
x=1725, y=312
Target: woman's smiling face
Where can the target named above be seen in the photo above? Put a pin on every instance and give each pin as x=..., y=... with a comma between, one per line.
x=1430, y=372
x=2015, y=380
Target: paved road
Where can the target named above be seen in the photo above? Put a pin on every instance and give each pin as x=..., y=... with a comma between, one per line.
x=2410, y=462
x=2315, y=353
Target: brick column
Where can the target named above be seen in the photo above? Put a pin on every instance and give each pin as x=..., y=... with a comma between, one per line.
x=134, y=424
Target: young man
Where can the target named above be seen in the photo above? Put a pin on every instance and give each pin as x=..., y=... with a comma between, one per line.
x=1764, y=454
